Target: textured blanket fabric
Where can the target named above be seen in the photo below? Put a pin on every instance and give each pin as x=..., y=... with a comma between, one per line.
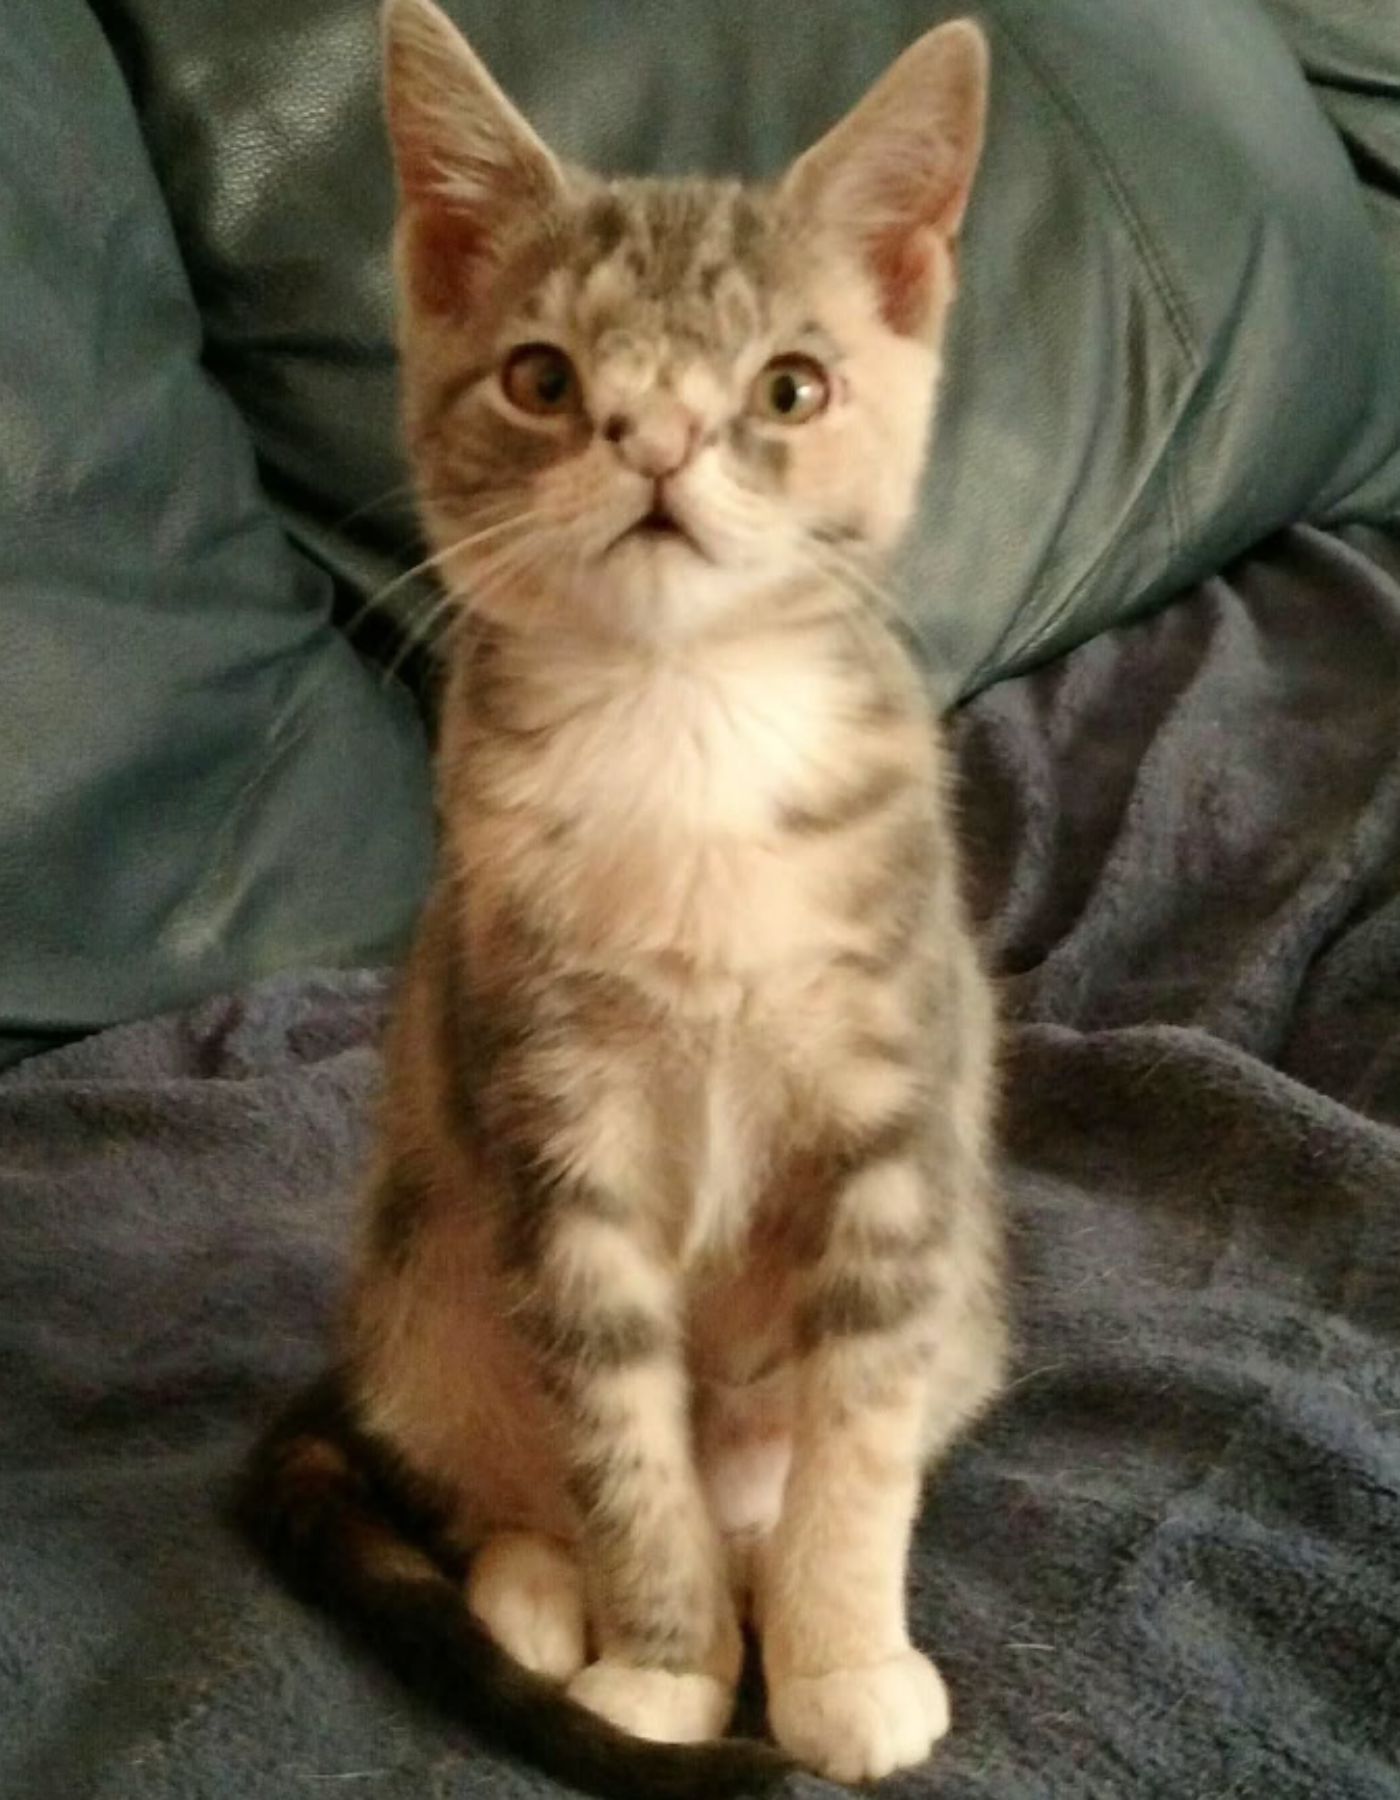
x=1168, y=1566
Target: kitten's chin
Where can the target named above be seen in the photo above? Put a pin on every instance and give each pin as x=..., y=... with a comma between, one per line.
x=660, y=591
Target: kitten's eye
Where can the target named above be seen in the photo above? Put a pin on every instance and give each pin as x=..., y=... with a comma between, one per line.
x=790, y=391
x=540, y=379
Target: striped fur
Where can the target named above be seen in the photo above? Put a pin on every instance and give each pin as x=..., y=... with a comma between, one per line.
x=681, y=1258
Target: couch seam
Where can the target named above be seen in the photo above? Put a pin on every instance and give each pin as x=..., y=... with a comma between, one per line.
x=1164, y=468
x=1152, y=257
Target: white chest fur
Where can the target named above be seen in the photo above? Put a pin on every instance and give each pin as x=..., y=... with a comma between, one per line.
x=701, y=746
x=658, y=793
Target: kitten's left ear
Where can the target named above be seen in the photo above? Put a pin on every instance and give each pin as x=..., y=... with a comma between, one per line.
x=469, y=164
x=896, y=173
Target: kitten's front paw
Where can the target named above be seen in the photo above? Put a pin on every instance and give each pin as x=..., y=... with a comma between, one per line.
x=654, y=1703
x=528, y=1592
x=859, y=1724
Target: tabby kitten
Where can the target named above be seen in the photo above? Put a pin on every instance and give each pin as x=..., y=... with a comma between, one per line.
x=681, y=1257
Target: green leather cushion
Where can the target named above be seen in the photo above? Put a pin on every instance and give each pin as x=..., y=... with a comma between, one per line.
x=199, y=780
x=1174, y=333
x=1350, y=51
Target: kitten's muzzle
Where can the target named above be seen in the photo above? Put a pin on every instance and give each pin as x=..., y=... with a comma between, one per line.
x=659, y=522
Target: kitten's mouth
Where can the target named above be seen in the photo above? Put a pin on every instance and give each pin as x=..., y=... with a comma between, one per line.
x=658, y=525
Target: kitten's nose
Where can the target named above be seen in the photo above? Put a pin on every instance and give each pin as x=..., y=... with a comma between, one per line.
x=656, y=438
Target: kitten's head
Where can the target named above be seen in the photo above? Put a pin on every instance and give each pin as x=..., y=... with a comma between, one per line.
x=637, y=407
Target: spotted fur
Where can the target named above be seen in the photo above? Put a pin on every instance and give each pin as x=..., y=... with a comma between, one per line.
x=681, y=1258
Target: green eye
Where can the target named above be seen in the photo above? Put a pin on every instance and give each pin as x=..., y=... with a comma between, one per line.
x=790, y=390
x=538, y=378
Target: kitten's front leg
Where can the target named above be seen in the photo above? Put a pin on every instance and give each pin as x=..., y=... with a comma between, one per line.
x=605, y=1318
x=847, y=1694
x=895, y=1355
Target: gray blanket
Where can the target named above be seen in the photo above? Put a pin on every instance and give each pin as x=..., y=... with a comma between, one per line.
x=1168, y=1566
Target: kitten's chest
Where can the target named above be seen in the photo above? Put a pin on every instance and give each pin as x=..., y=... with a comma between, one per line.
x=699, y=752
x=657, y=811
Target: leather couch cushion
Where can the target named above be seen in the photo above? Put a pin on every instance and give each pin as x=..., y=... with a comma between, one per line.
x=199, y=780
x=1350, y=51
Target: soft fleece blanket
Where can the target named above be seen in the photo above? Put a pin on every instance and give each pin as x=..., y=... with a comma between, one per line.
x=1169, y=1565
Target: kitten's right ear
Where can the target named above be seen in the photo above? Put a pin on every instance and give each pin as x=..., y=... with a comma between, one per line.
x=468, y=162
x=895, y=174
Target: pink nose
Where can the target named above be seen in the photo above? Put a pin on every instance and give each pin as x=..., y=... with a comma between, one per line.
x=656, y=439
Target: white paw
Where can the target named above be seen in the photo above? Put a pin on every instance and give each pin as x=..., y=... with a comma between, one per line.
x=528, y=1592
x=859, y=1724
x=653, y=1703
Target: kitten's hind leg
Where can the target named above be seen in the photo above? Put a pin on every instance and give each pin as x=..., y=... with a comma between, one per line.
x=743, y=1445
x=527, y=1590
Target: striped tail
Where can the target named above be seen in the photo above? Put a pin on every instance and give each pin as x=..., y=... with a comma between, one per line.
x=347, y=1534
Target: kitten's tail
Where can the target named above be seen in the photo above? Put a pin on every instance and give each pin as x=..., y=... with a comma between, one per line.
x=344, y=1533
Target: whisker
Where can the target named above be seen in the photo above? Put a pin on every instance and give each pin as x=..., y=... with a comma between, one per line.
x=856, y=579
x=403, y=490
x=513, y=521
x=366, y=607
x=420, y=636
x=517, y=518
x=857, y=568
x=506, y=564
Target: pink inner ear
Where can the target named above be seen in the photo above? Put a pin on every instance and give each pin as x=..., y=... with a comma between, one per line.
x=915, y=202
x=443, y=251
x=904, y=264
x=413, y=153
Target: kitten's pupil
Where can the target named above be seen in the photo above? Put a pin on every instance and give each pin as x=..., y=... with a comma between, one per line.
x=785, y=392
x=552, y=383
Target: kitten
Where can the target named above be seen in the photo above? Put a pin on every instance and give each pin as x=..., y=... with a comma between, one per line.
x=681, y=1259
